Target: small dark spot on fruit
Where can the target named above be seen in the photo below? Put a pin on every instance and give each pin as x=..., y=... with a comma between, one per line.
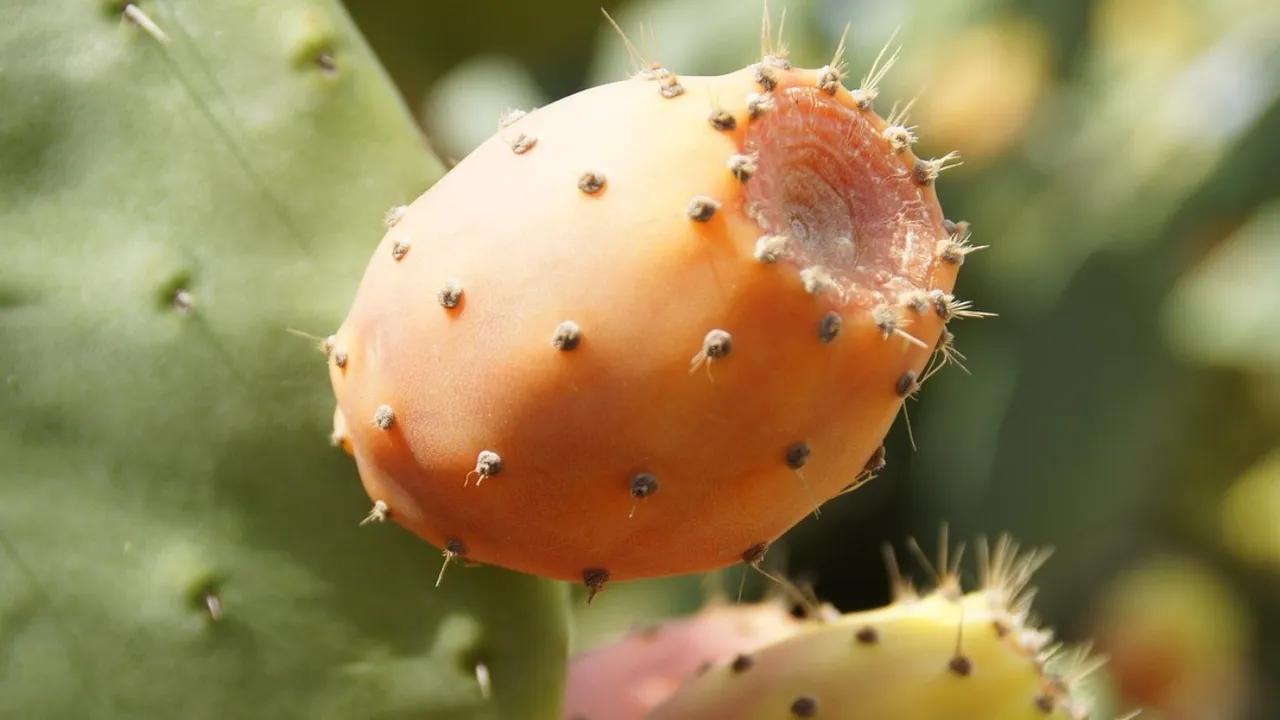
x=917, y=301
x=907, y=384
x=829, y=80
x=886, y=319
x=758, y=105
x=923, y=173
x=702, y=208
x=742, y=167
x=722, y=120
x=455, y=547
x=816, y=280
x=488, y=464
x=1045, y=703
x=769, y=248
x=798, y=455
x=876, y=462
x=805, y=706
x=952, y=252
x=717, y=344
x=591, y=182
x=523, y=143
x=643, y=485
x=594, y=579
x=867, y=636
x=767, y=78
x=830, y=326
x=741, y=663
x=754, y=554
x=567, y=336
x=944, y=304
x=960, y=665
x=669, y=86
x=450, y=295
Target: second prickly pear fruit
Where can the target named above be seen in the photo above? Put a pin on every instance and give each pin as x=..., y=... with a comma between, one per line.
x=648, y=328
x=941, y=655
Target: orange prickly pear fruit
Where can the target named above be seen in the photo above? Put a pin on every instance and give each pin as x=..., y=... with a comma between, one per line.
x=646, y=329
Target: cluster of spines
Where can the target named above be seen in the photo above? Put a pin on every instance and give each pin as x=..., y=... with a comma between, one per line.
x=892, y=319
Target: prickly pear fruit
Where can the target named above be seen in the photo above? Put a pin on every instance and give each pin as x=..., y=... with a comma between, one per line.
x=937, y=656
x=179, y=185
x=648, y=328
x=626, y=678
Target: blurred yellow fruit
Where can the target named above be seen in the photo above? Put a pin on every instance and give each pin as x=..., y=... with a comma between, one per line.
x=1177, y=638
x=983, y=85
x=1249, y=518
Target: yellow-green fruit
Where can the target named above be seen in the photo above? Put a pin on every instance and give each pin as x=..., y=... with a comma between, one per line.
x=941, y=656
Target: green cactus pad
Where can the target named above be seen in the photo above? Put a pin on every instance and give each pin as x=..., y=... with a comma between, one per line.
x=181, y=186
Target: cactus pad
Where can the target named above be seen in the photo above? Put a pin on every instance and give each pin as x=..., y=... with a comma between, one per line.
x=183, y=182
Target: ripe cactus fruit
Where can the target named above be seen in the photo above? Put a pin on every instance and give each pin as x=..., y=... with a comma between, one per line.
x=179, y=183
x=937, y=656
x=625, y=679
x=750, y=264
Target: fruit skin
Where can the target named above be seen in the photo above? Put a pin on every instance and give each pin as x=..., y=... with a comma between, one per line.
x=177, y=537
x=647, y=283
x=626, y=678
x=937, y=656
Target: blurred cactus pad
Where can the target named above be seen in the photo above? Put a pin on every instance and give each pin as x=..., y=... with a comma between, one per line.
x=183, y=184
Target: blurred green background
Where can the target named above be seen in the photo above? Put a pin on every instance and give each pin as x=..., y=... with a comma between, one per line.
x=1122, y=161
